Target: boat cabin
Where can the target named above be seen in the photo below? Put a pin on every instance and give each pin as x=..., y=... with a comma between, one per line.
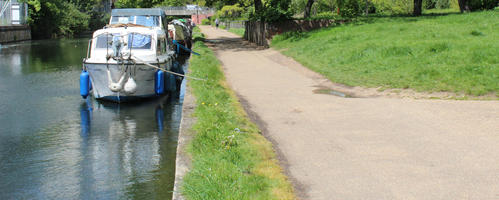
x=140, y=32
x=152, y=17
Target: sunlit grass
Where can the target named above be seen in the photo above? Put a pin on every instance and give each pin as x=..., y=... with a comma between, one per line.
x=237, y=31
x=457, y=52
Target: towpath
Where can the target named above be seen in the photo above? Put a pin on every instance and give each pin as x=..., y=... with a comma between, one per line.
x=363, y=148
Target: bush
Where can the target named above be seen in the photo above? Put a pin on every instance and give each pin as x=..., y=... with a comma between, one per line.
x=442, y=4
x=349, y=8
x=394, y=7
x=206, y=22
x=482, y=4
x=428, y=4
x=325, y=15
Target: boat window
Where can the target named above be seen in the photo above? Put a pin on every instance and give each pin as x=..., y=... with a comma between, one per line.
x=102, y=41
x=122, y=19
x=139, y=41
x=147, y=20
x=140, y=20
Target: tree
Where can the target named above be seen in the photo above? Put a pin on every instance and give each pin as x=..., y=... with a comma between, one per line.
x=463, y=5
x=367, y=7
x=54, y=18
x=418, y=5
x=308, y=7
x=258, y=6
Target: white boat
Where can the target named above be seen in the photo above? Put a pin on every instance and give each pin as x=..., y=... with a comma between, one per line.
x=129, y=59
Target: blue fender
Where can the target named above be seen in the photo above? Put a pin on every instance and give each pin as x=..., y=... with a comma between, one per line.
x=159, y=82
x=84, y=84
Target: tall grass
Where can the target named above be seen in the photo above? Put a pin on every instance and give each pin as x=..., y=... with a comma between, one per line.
x=230, y=159
x=457, y=52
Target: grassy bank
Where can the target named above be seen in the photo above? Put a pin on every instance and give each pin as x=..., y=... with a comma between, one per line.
x=237, y=31
x=230, y=159
x=456, y=53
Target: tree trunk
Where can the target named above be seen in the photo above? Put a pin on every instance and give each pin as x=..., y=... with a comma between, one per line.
x=258, y=6
x=418, y=4
x=367, y=7
x=463, y=5
x=308, y=8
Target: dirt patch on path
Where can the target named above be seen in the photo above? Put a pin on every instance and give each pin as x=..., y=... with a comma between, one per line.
x=363, y=148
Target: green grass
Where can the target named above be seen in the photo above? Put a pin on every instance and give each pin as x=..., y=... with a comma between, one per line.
x=457, y=52
x=237, y=31
x=230, y=159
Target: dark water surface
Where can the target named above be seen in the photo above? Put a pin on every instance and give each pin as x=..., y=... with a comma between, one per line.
x=55, y=145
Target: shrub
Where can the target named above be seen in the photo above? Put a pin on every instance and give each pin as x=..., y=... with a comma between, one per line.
x=442, y=4
x=394, y=7
x=482, y=4
x=206, y=22
x=349, y=8
x=428, y=4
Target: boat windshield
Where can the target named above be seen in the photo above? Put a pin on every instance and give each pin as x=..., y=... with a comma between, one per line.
x=143, y=20
x=134, y=41
x=139, y=41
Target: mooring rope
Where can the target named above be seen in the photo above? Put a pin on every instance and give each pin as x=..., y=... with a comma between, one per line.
x=167, y=71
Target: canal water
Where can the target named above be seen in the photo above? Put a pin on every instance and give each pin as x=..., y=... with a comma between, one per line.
x=55, y=145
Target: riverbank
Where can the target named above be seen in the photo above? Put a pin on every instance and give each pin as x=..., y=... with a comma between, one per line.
x=229, y=158
x=14, y=33
x=449, y=57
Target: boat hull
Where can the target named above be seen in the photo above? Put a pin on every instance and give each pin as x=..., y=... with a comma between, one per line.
x=144, y=77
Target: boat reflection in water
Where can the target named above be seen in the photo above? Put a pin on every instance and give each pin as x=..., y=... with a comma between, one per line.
x=128, y=147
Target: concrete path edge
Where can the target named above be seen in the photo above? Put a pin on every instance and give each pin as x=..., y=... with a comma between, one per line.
x=185, y=134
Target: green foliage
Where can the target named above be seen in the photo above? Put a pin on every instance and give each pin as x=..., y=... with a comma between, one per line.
x=53, y=18
x=349, y=8
x=394, y=6
x=482, y=4
x=137, y=3
x=98, y=20
x=456, y=52
x=72, y=21
x=205, y=22
x=170, y=3
x=428, y=4
x=274, y=10
x=440, y=4
x=325, y=15
x=230, y=12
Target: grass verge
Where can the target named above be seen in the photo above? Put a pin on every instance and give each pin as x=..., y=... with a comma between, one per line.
x=230, y=158
x=237, y=31
x=455, y=53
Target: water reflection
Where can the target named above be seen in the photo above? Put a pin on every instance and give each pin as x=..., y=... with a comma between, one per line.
x=40, y=56
x=54, y=145
x=114, y=151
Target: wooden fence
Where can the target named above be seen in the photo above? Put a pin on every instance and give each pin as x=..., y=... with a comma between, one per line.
x=261, y=33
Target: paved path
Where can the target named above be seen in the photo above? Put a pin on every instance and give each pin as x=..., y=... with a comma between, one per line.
x=363, y=148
